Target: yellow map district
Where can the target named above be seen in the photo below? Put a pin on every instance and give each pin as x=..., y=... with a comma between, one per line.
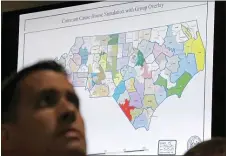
x=150, y=101
x=135, y=112
x=118, y=78
x=195, y=46
x=103, y=61
x=100, y=91
x=130, y=85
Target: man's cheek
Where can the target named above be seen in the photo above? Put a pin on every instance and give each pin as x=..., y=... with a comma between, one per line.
x=45, y=121
x=80, y=124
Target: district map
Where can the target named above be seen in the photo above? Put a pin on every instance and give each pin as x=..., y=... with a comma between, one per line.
x=138, y=69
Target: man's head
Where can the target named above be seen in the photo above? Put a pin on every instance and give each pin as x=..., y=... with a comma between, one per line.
x=40, y=113
x=214, y=147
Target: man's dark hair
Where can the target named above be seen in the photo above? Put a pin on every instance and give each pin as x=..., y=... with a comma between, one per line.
x=213, y=147
x=11, y=87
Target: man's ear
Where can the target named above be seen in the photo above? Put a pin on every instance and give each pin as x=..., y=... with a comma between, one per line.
x=5, y=133
x=6, y=137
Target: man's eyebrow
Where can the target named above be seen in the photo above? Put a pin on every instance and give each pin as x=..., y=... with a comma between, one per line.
x=43, y=91
x=48, y=90
x=69, y=92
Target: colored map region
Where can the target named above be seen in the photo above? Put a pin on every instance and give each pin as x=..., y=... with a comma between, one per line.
x=138, y=69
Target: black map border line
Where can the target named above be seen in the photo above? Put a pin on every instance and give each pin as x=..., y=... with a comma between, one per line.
x=204, y=109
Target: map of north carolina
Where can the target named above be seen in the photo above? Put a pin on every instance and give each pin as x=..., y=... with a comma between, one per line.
x=138, y=69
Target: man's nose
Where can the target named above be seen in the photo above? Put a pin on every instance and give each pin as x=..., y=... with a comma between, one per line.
x=67, y=112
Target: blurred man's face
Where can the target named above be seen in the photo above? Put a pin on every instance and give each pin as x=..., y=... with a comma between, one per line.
x=49, y=122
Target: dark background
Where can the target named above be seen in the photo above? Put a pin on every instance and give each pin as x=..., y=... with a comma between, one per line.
x=10, y=32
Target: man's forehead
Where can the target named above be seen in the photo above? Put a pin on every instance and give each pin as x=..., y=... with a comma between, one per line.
x=45, y=78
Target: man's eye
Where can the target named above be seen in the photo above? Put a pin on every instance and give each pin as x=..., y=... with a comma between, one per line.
x=48, y=99
x=73, y=99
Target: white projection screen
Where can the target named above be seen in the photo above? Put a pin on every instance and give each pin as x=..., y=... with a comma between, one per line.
x=142, y=70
